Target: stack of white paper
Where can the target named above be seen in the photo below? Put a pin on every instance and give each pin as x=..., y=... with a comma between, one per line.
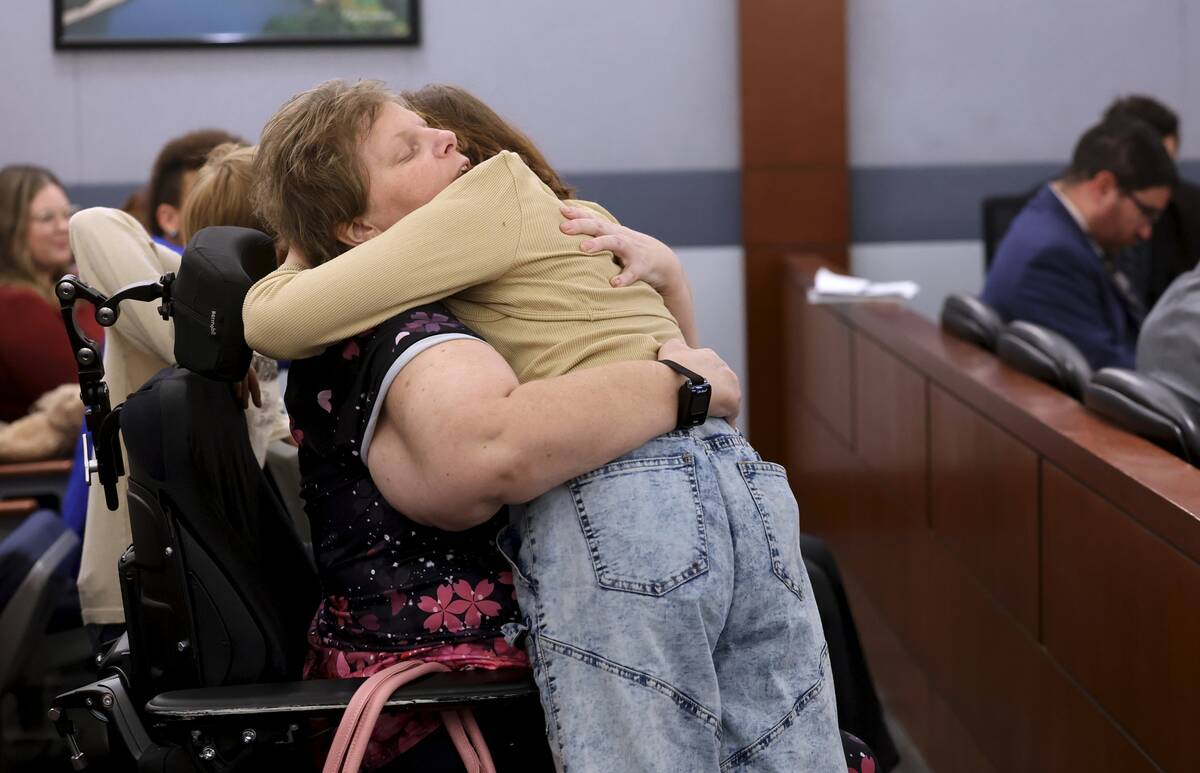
x=829, y=287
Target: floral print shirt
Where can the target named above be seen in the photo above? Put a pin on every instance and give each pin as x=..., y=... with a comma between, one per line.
x=389, y=585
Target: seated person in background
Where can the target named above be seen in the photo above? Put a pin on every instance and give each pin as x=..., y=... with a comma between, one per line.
x=1168, y=348
x=114, y=250
x=644, y=584
x=1174, y=245
x=35, y=353
x=1054, y=266
x=171, y=180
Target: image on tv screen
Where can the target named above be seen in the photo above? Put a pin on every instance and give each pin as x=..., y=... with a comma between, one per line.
x=132, y=23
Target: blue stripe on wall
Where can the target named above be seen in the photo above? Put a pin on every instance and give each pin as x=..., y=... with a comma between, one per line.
x=932, y=203
x=694, y=208
x=937, y=203
x=684, y=209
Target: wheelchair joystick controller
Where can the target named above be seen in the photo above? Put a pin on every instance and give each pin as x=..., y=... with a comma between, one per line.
x=103, y=460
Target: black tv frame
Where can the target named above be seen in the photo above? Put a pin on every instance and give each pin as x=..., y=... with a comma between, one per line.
x=233, y=38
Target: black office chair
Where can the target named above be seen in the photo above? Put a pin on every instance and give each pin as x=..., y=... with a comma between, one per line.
x=1044, y=354
x=1143, y=406
x=968, y=318
x=998, y=213
x=217, y=587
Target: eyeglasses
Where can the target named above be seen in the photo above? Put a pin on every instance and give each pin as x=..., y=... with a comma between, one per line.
x=1152, y=214
x=49, y=216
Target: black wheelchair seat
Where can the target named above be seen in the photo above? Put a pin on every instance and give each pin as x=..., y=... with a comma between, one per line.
x=219, y=588
x=1045, y=355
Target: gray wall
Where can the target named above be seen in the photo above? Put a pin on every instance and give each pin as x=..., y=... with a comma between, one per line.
x=622, y=86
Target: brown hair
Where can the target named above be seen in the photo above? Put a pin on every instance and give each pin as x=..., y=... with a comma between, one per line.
x=19, y=184
x=183, y=154
x=308, y=176
x=221, y=193
x=480, y=131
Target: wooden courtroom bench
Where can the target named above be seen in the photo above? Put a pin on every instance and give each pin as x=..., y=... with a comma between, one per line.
x=34, y=479
x=1026, y=576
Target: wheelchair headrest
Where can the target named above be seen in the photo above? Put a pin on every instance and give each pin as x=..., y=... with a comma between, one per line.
x=217, y=269
x=968, y=318
x=1143, y=406
x=1044, y=354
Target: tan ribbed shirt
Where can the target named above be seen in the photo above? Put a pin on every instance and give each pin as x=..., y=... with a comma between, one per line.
x=490, y=245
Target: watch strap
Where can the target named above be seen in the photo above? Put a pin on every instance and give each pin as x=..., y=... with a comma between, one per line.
x=690, y=375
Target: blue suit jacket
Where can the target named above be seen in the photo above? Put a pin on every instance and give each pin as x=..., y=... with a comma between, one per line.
x=1046, y=272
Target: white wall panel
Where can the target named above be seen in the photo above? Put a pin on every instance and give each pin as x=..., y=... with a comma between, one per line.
x=940, y=268
x=945, y=82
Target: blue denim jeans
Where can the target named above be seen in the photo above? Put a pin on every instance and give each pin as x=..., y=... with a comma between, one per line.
x=670, y=622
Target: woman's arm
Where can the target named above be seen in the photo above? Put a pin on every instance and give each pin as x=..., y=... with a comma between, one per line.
x=114, y=251
x=642, y=258
x=459, y=437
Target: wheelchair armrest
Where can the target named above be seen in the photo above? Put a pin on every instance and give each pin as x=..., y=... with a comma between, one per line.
x=1148, y=408
x=1045, y=355
x=75, y=715
x=318, y=696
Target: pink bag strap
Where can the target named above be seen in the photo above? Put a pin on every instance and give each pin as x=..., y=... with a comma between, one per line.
x=354, y=711
x=354, y=731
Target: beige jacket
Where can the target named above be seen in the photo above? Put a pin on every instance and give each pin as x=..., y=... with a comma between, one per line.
x=491, y=240
x=112, y=251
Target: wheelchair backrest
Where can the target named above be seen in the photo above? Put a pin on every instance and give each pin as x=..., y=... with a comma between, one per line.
x=218, y=588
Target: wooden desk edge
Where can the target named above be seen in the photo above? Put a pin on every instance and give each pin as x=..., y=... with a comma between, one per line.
x=1151, y=485
x=32, y=469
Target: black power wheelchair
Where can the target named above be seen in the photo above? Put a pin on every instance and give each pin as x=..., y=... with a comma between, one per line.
x=217, y=587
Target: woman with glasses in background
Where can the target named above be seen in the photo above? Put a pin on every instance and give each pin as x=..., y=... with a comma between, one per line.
x=35, y=354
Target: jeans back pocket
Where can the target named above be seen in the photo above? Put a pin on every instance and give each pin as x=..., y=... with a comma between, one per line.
x=644, y=523
x=780, y=516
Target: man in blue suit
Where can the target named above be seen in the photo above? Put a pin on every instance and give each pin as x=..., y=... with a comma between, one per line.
x=1055, y=266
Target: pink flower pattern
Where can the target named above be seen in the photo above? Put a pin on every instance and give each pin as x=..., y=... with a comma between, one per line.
x=426, y=323
x=439, y=614
x=472, y=601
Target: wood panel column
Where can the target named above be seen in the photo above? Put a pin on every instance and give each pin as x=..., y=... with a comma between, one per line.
x=795, y=187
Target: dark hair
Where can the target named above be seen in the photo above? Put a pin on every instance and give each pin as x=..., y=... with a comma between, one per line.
x=480, y=131
x=1158, y=116
x=1127, y=148
x=182, y=154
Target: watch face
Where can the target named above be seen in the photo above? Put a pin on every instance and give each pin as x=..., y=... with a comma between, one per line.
x=698, y=410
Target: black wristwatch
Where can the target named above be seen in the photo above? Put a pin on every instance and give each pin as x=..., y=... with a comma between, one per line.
x=694, y=396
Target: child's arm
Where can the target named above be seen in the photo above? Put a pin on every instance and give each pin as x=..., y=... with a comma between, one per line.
x=466, y=236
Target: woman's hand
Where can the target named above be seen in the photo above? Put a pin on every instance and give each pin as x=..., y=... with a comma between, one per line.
x=642, y=257
x=726, y=399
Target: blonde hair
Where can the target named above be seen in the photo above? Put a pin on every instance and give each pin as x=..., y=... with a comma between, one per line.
x=221, y=194
x=480, y=131
x=19, y=184
x=308, y=175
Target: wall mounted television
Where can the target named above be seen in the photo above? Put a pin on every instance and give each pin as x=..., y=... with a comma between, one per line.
x=80, y=24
